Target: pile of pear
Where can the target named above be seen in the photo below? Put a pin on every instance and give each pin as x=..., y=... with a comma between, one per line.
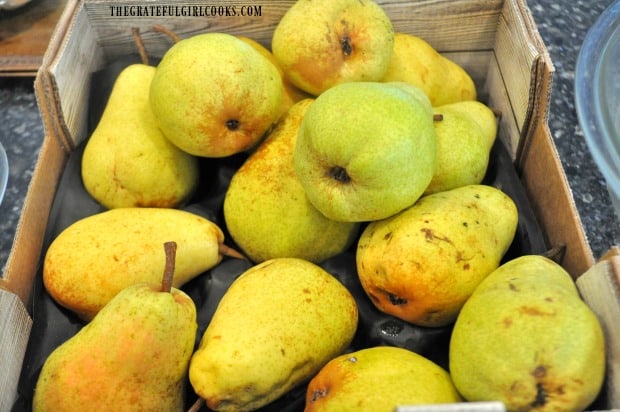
x=355, y=138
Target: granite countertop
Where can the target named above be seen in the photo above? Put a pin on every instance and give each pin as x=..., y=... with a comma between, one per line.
x=562, y=26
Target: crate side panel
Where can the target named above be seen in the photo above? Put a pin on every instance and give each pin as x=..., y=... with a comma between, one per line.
x=448, y=25
x=71, y=70
x=516, y=55
x=458, y=25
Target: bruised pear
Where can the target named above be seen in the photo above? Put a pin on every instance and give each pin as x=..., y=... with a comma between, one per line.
x=322, y=43
x=275, y=327
x=422, y=264
x=379, y=379
x=526, y=338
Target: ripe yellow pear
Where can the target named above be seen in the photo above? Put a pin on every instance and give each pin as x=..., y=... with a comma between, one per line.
x=526, y=338
x=416, y=62
x=465, y=136
x=127, y=161
x=214, y=95
x=322, y=43
x=134, y=355
x=275, y=327
x=97, y=256
x=423, y=263
x=266, y=209
x=379, y=379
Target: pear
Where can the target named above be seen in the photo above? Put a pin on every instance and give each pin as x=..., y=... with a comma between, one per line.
x=322, y=43
x=366, y=150
x=379, y=379
x=465, y=136
x=214, y=95
x=275, y=327
x=134, y=355
x=416, y=62
x=526, y=338
x=423, y=263
x=127, y=161
x=290, y=93
x=266, y=209
x=96, y=257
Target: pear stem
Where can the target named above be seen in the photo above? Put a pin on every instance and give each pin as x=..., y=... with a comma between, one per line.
x=170, y=248
x=230, y=252
x=161, y=29
x=437, y=117
x=556, y=253
x=496, y=112
x=141, y=49
x=196, y=405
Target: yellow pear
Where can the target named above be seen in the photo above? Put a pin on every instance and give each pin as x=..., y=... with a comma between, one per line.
x=379, y=379
x=415, y=61
x=465, y=136
x=214, y=95
x=266, y=209
x=94, y=258
x=322, y=43
x=275, y=327
x=127, y=161
x=134, y=355
x=526, y=338
x=291, y=94
x=423, y=263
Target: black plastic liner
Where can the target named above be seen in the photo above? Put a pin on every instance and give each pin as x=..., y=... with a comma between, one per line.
x=52, y=325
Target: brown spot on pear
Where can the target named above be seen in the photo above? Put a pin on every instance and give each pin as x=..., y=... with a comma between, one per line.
x=432, y=262
x=379, y=379
x=528, y=364
x=321, y=43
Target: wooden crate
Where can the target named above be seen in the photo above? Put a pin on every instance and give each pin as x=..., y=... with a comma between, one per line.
x=496, y=41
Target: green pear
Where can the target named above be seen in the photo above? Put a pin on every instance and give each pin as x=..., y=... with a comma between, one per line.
x=526, y=338
x=275, y=327
x=416, y=62
x=322, y=43
x=266, y=209
x=215, y=95
x=379, y=379
x=134, y=355
x=127, y=161
x=366, y=150
x=465, y=136
x=423, y=263
x=94, y=258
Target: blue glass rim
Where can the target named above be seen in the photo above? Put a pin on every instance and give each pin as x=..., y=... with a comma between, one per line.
x=4, y=172
x=594, y=119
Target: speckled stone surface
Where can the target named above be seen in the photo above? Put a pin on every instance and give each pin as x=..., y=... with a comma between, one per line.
x=562, y=26
x=21, y=134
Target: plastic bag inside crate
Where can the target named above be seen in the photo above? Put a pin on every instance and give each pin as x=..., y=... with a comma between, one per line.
x=53, y=325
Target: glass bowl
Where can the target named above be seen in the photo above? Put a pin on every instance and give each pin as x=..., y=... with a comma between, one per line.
x=597, y=96
x=4, y=172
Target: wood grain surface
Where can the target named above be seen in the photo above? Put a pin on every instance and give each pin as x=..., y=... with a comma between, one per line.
x=24, y=35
